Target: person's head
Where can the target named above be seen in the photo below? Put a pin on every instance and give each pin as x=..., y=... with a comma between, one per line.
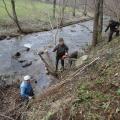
x=27, y=78
x=61, y=41
x=110, y=21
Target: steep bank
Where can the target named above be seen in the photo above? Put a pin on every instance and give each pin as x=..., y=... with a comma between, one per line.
x=90, y=93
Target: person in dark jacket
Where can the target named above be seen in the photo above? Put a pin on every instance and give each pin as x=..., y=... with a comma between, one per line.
x=114, y=28
x=61, y=51
x=26, y=90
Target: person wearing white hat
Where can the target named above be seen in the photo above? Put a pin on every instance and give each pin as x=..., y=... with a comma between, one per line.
x=26, y=90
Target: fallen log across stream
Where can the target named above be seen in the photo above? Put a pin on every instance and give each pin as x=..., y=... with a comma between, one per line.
x=48, y=63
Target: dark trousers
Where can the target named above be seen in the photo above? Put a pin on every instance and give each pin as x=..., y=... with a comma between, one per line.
x=26, y=99
x=57, y=62
x=31, y=93
x=111, y=34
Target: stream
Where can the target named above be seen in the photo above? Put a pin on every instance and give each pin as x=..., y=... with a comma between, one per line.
x=76, y=36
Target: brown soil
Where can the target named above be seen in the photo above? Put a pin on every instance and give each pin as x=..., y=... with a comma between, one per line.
x=10, y=103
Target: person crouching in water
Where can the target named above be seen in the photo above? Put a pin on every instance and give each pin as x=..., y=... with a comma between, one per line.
x=26, y=89
x=61, y=51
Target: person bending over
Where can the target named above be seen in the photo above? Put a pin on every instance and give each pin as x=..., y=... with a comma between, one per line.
x=26, y=90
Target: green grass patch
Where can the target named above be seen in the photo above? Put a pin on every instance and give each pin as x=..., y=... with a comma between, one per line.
x=84, y=95
x=25, y=8
x=30, y=10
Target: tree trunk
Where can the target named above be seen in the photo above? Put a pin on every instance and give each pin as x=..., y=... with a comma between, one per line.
x=54, y=8
x=96, y=23
x=62, y=13
x=15, y=16
x=74, y=8
x=101, y=17
x=85, y=8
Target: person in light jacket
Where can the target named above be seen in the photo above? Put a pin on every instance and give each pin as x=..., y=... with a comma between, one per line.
x=26, y=90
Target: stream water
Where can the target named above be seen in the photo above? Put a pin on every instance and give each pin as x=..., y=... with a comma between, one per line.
x=75, y=37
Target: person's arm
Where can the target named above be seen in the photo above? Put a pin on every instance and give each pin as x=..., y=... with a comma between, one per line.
x=118, y=24
x=107, y=28
x=22, y=92
x=66, y=47
x=55, y=48
x=66, y=50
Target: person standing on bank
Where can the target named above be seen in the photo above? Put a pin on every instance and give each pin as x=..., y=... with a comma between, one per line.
x=114, y=28
x=26, y=90
x=61, y=52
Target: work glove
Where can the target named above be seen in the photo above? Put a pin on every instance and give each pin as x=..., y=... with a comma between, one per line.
x=45, y=51
x=30, y=97
x=66, y=54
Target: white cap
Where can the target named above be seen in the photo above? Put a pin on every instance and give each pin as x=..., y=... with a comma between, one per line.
x=27, y=77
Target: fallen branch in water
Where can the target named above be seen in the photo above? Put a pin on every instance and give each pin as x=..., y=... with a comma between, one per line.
x=51, y=70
